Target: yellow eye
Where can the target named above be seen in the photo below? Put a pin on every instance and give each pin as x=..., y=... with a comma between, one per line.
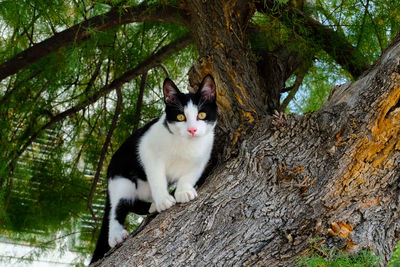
x=201, y=115
x=180, y=117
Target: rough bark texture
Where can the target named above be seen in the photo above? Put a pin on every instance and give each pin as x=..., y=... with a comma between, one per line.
x=331, y=174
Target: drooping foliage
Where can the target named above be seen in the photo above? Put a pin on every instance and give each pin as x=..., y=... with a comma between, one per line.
x=57, y=112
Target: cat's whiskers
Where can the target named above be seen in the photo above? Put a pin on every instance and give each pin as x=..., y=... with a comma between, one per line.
x=178, y=105
x=201, y=103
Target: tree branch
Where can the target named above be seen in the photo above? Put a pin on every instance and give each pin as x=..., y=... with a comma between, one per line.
x=115, y=17
x=104, y=152
x=16, y=86
x=373, y=24
x=139, y=102
x=332, y=42
x=162, y=66
x=299, y=80
x=149, y=63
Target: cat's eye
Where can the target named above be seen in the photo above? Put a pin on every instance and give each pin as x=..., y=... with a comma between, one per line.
x=201, y=115
x=180, y=117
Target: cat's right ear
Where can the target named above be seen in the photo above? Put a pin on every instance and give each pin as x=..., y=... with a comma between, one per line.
x=170, y=91
x=207, y=88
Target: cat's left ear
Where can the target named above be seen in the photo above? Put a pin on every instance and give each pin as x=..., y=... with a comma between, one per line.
x=207, y=88
x=170, y=91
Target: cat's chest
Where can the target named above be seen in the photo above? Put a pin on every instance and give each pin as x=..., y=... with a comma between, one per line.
x=185, y=153
x=185, y=157
x=176, y=168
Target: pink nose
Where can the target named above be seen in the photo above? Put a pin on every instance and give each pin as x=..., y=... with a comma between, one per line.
x=192, y=130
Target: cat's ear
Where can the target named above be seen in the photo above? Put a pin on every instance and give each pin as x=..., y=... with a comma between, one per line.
x=170, y=91
x=207, y=88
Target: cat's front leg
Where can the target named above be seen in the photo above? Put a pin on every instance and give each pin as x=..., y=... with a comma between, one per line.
x=185, y=191
x=162, y=200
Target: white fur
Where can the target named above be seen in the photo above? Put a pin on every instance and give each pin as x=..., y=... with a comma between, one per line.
x=118, y=188
x=122, y=188
x=178, y=157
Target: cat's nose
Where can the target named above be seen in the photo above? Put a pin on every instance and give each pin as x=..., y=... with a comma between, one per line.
x=192, y=131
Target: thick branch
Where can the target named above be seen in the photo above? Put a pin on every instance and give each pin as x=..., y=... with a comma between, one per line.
x=332, y=42
x=276, y=67
x=151, y=62
x=83, y=30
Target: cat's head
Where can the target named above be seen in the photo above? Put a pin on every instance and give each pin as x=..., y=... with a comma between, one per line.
x=191, y=115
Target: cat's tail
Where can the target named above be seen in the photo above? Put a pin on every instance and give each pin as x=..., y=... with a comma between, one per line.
x=102, y=242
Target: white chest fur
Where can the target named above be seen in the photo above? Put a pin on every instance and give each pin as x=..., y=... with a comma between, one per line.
x=176, y=155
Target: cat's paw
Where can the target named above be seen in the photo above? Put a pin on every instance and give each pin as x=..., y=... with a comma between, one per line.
x=152, y=208
x=117, y=235
x=165, y=203
x=185, y=195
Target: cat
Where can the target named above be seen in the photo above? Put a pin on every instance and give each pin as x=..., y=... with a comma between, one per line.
x=173, y=148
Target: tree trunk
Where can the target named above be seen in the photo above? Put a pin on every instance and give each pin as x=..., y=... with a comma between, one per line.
x=219, y=30
x=331, y=174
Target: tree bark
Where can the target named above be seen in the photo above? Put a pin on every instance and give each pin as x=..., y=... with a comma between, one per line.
x=332, y=174
x=219, y=30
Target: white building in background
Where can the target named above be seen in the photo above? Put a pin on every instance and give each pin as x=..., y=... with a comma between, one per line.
x=18, y=255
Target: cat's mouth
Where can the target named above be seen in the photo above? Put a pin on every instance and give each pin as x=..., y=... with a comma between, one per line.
x=192, y=136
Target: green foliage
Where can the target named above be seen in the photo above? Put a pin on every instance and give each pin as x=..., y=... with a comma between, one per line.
x=395, y=261
x=317, y=85
x=364, y=259
x=368, y=25
x=320, y=256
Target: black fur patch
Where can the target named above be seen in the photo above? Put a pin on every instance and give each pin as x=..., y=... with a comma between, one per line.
x=209, y=107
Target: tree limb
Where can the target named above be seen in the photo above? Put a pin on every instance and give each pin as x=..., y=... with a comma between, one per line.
x=332, y=42
x=249, y=214
x=81, y=31
x=162, y=66
x=104, y=152
x=299, y=80
x=139, y=102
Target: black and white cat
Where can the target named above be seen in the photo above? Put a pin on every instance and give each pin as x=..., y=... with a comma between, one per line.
x=174, y=148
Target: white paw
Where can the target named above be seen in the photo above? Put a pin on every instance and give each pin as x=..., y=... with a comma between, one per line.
x=185, y=195
x=152, y=208
x=165, y=203
x=117, y=234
